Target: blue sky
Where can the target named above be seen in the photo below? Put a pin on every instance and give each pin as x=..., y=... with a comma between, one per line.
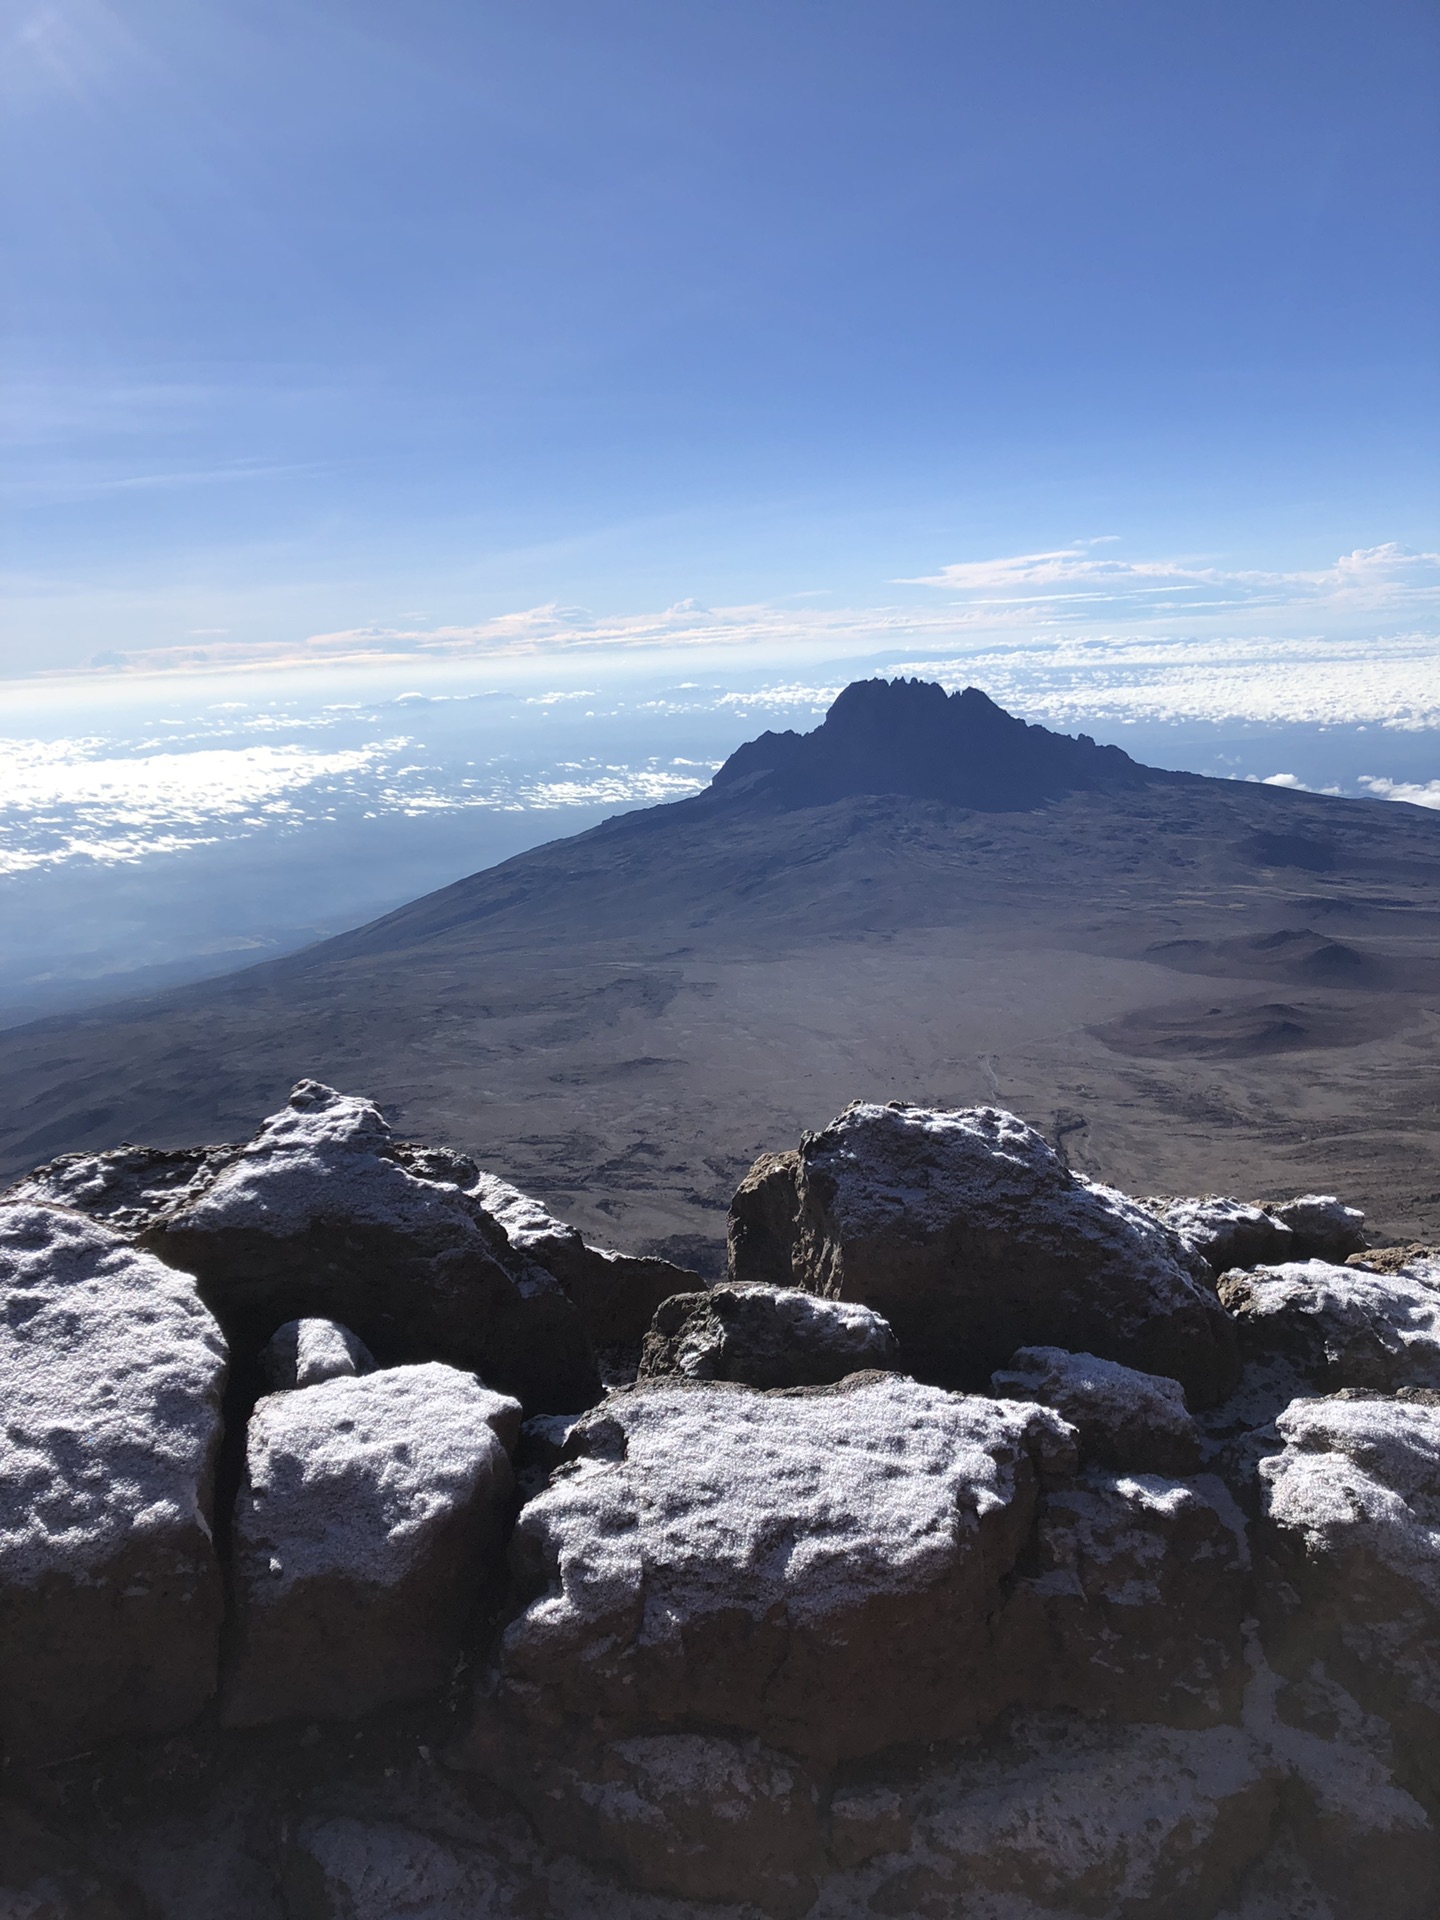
x=748, y=326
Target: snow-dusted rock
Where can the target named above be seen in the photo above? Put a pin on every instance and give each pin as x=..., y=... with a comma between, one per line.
x=819, y=1567
x=767, y=1337
x=1068, y=1818
x=616, y=1293
x=129, y=1189
x=366, y=1527
x=302, y=1353
x=1322, y=1226
x=318, y=1218
x=1124, y=1418
x=111, y=1374
x=760, y=1233
x=1338, y=1326
x=1226, y=1233
x=702, y=1816
x=972, y=1238
x=1348, y=1560
x=347, y=1869
x=1143, y=1583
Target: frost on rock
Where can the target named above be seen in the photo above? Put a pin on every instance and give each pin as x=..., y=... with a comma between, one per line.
x=111, y=1374
x=819, y=1567
x=1143, y=1584
x=1338, y=1326
x=972, y=1238
x=701, y=1816
x=1124, y=1418
x=381, y=1870
x=766, y=1337
x=366, y=1526
x=129, y=1189
x=316, y=1218
x=302, y=1353
x=1226, y=1233
x=1066, y=1817
x=1323, y=1227
x=1348, y=1565
x=616, y=1293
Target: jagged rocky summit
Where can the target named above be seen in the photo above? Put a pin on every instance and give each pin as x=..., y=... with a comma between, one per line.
x=988, y=1545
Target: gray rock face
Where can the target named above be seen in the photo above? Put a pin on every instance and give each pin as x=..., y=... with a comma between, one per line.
x=1123, y=1418
x=819, y=1568
x=701, y=1816
x=1338, y=1326
x=1143, y=1584
x=971, y=1237
x=1323, y=1227
x=616, y=1293
x=1226, y=1233
x=1072, y=1818
x=364, y=1532
x=764, y=1219
x=129, y=1189
x=316, y=1219
x=1348, y=1560
x=302, y=1353
x=766, y=1337
x=111, y=1374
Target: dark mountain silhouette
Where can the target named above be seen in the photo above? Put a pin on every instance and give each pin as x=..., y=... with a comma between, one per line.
x=911, y=737
x=923, y=898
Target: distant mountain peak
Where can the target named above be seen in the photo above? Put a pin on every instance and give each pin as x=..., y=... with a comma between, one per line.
x=911, y=737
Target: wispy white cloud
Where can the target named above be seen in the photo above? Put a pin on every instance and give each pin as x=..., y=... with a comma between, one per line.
x=1419, y=794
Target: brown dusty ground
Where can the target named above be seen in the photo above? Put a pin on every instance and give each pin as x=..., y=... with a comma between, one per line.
x=1194, y=985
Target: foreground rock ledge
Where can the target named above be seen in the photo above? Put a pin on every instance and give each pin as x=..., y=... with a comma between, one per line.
x=111, y=1374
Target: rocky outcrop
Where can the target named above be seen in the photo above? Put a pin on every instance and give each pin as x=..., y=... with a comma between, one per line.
x=969, y=1235
x=315, y=1218
x=366, y=1527
x=1226, y=1233
x=302, y=1353
x=1135, y=1421
x=1349, y=1552
x=779, y=1629
x=1323, y=1227
x=111, y=1374
x=819, y=1568
x=765, y=1337
x=616, y=1293
x=1143, y=1585
x=1337, y=1326
x=763, y=1222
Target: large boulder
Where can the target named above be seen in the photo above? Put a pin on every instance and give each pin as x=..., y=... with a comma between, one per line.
x=1337, y=1326
x=764, y=1216
x=1348, y=1560
x=111, y=1374
x=1123, y=1418
x=1322, y=1227
x=969, y=1235
x=1225, y=1233
x=367, y=1526
x=318, y=1218
x=128, y=1189
x=819, y=1567
x=705, y=1816
x=766, y=1337
x=1143, y=1584
x=1062, y=1817
x=616, y=1293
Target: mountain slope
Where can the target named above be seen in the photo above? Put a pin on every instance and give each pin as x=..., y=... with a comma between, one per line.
x=1182, y=978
